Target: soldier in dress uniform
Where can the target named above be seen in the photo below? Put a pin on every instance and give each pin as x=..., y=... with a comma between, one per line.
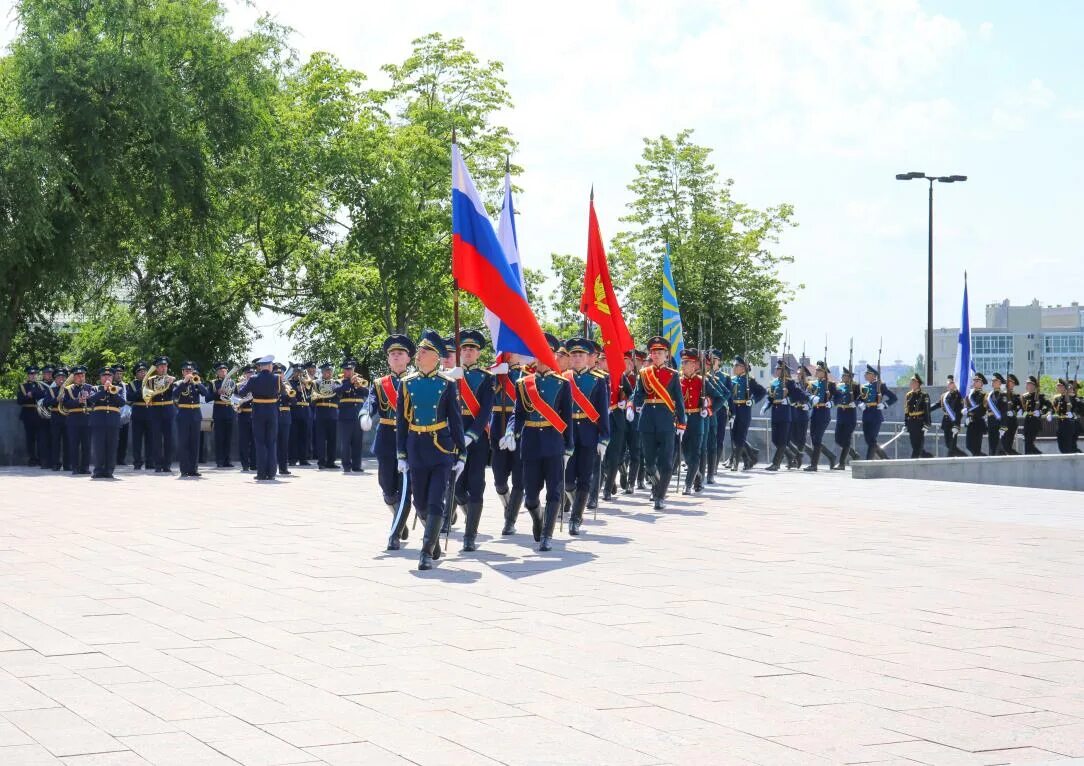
x=633, y=457
x=246, y=440
x=1035, y=405
x=661, y=411
x=596, y=364
x=163, y=413
x=325, y=422
x=287, y=395
x=782, y=393
x=188, y=393
x=353, y=391
x=475, y=388
x=58, y=425
x=382, y=402
x=507, y=470
x=846, y=400
x=105, y=402
x=564, y=360
x=613, y=461
x=140, y=431
x=429, y=439
x=718, y=390
x=1010, y=422
x=694, y=402
x=590, y=425
x=799, y=418
x=27, y=396
x=543, y=433
x=122, y=437
x=1063, y=412
x=916, y=412
x=975, y=416
x=301, y=415
x=876, y=397
x=744, y=391
x=265, y=387
x=223, y=416
x=952, y=416
x=997, y=404
x=822, y=395
x=74, y=399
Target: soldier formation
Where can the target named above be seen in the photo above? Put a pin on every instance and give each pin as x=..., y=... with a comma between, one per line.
x=554, y=439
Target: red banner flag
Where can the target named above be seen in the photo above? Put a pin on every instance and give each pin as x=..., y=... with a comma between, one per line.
x=599, y=302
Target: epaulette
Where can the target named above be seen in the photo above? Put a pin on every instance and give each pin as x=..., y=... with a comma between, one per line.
x=442, y=376
x=410, y=376
x=599, y=373
x=487, y=372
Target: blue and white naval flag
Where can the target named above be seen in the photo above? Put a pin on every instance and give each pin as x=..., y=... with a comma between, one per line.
x=965, y=369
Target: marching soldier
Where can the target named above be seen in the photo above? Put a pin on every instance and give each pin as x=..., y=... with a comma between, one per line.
x=799, y=418
x=543, y=430
x=693, y=400
x=846, y=400
x=475, y=388
x=27, y=396
x=163, y=413
x=952, y=416
x=634, y=362
x=661, y=411
x=384, y=398
x=1062, y=411
x=975, y=419
x=223, y=416
x=429, y=439
x=1034, y=405
x=822, y=395
x=122, y=437
x=596, y=363
x=718, y=386
x=353, y=391
x=265, y=387
x=58, y=425
x=140, y=431
x=188, y=394
x=613, y=461
x=1010, y=422
x=287, y=395
x=876, y=397
x=507, y=470
x=74, y=400
x=916, y=408
x=105, y=402
x=744, y=391
x=590, y=425
x=997, y=404
x=782, y=391
x=325, y=422
x=301, y=415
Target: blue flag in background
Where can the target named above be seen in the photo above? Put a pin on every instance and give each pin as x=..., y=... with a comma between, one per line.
x=965, y=370
x=671, y=313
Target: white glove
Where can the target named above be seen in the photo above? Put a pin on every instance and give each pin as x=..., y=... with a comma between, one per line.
x=955, y=431
x=882, y=406
x=602, y=448
x=861, y=405
x=829, y=404
x=366, y=421
x=1050, y=417
x=703, y=413
x=455, y=373
x=499, y=369
x=402, y=466
x=470, y=438
x=508, y=442
x=681, y=434
x=630, y=414
x=459, y=466
x=1037, y=413
x=814, y=400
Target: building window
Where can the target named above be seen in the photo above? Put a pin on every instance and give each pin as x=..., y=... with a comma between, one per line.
x=1064, y=343
x=992, y=343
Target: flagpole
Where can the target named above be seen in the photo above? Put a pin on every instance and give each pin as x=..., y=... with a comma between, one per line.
x=449, y=503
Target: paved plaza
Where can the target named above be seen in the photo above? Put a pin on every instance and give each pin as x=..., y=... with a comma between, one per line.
x=786, y=619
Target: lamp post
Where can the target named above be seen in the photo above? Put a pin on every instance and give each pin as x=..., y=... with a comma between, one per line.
x=913, y=176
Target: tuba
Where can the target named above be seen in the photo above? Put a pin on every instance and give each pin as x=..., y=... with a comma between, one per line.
x=229, y=385
x=43, y=409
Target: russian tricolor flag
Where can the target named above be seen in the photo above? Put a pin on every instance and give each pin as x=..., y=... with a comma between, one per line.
x=503, y=338
x=481, y=268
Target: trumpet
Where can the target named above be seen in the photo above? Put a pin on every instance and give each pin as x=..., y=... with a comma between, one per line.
x=112, y=389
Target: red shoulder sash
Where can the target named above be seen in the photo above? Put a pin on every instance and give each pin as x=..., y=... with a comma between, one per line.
x=530, y=386
x=580, y=397
x=656, y=387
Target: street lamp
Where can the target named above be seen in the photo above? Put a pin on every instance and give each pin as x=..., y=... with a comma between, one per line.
x=914, y=176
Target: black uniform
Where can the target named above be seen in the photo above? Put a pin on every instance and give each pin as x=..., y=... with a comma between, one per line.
x=916, y=409
x=976, y=421
x=1034, y=405
x=952, y=409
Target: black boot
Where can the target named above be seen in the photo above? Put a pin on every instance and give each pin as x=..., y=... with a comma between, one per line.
x=842, y=463
x=688, y=488
x=853, y=453
x=751, y=457
x=830, y=455
x=880, y=452
x=623, y=472
x=470, y=532
x=576, y=520
x=814, y=459
x=608, y=487
x=536, y=522
x=713, y=458
x=777, y=460
x=430, y=540
x=552, y=509
x=393, y=539
x=640, y=477
x=511, y=511
x=869, y=453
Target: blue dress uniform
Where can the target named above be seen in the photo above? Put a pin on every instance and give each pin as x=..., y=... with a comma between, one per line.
x=875, y=398
x=353, y=391
x=506, y=463
x=188, y=396
x=717, y=386
x=590, y=429
x=428, y=439
x=613, y=463
x=301, y=417
x=106, y=402
x=822, y=394
x=846, y=399
x=659, y=403
x=58, y=424
x=696, y=417
x=265, y=387
x=27, y=395
x=287, y=395
x=325, y=423
x=163, y=413
x=799, y=418
x=123, y=429
x=637, y=473
x=782, y=393
x=246, y=440
x=744, y=392
x=223, y=418
x=382, y=404
x=77, y=421
x=544, y=437
x=475, y=391
x=140, y=431
x=975, y=416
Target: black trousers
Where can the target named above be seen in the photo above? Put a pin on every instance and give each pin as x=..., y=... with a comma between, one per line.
x=265, y=428
x=326, y=435
x=917, y=437
x=1032, y=426
x=350, y=436
x=105, y=437
x=658, y=448
x=223, y=434
x=472, y=482
x=79, y=443
x=188, y=424
x=300, y=436
x=993, y=435
x=283, y=442
x=542, y=472
x=246, y=444
x=141, y=440
x=122, y=444
x=30, y=432
x=162, y=436
x=976, y=427
x=58, y=443
x=1008, y=438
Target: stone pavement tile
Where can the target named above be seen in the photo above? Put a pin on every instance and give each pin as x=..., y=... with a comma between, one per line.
x=28, y=755
x=935, y=754
x=357, y=754
x=100, y=707
x=16, y=694
x=62, y=732
x=218, y=728
x=42, y=638
x=164, y=701
x=117, y=674
x=1064, y=740
x=262, y=750
x=307, y=734
x=245, y=704
x=10, y=735
x=123, y=758
x=7, y=643
x=176, y=749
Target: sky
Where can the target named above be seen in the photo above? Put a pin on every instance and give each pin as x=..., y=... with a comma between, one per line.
x=818, y=104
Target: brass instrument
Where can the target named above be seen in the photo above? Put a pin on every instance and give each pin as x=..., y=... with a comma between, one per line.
x=196, y=380
x=43, y=409
x=324, y=389
x=153, y=385
x=229, y=385
x=114, y=390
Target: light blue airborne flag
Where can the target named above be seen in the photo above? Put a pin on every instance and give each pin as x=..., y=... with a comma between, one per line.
x=671, y=314
x=965, y=370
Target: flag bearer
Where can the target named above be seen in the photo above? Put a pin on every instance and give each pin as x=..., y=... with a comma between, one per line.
x=590, y=425
x=659, y=404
